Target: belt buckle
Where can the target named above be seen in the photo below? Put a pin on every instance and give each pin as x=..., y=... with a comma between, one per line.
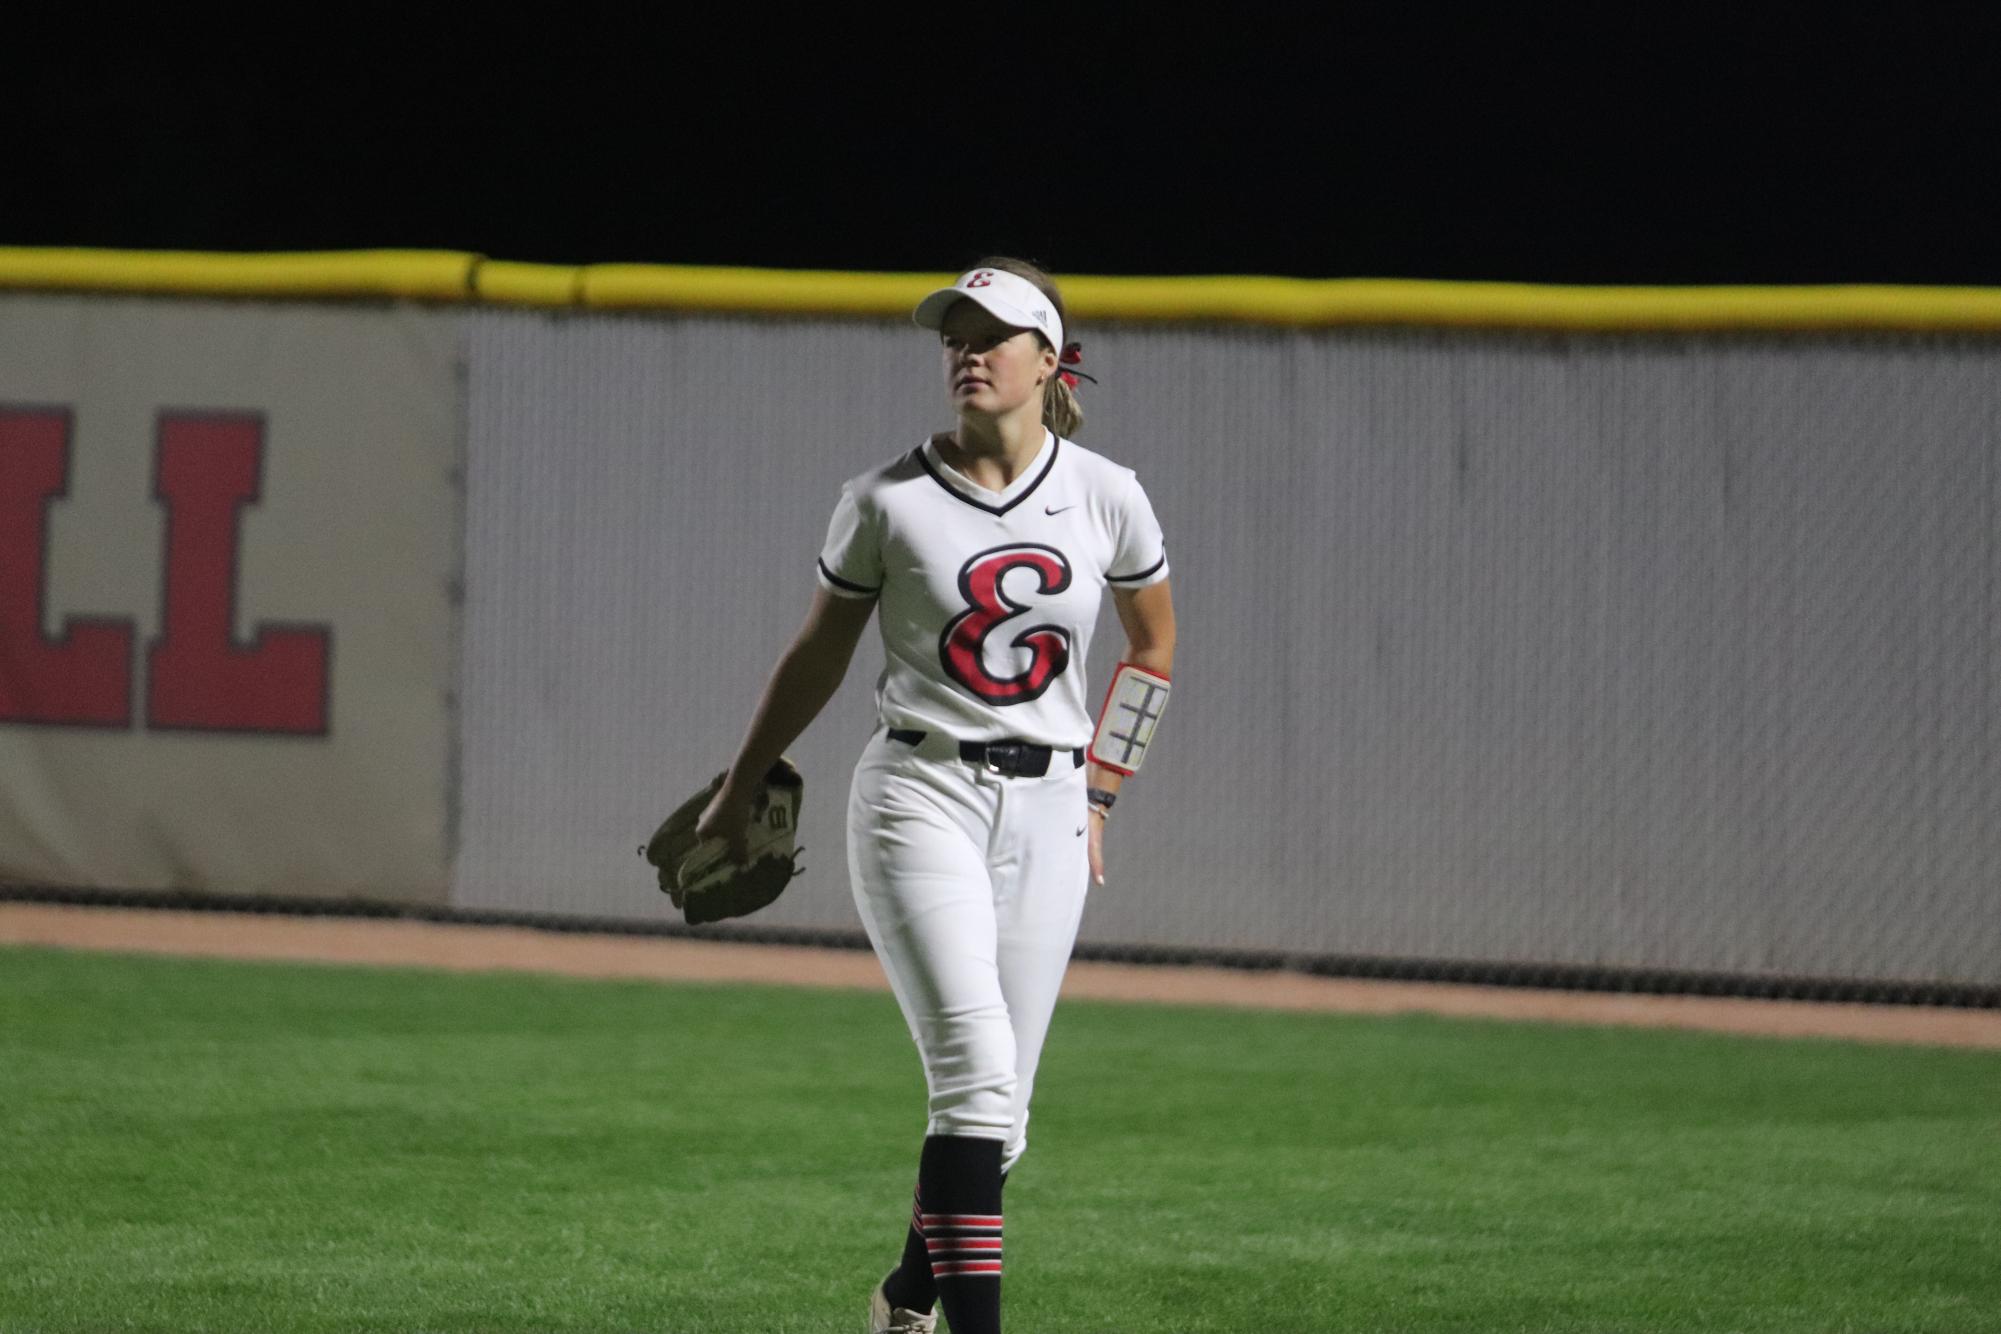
x=1006, y=750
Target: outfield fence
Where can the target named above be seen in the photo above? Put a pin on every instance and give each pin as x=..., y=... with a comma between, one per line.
x=1598, y=647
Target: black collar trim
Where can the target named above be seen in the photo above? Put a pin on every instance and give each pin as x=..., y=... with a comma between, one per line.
x=1055, y=444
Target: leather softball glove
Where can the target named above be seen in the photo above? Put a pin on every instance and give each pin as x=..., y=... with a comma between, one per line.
x=698, y=875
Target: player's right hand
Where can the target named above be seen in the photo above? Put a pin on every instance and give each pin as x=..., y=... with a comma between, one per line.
x=1097, y=823
x=727, y=817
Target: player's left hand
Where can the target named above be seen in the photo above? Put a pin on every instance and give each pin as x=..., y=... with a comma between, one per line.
x=1097, y=847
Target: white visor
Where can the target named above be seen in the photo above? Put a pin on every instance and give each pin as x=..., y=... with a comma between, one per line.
x=1013, y=300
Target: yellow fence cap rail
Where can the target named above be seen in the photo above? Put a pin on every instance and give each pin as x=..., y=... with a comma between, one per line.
x=510, y=283
x=1367, y=301
x=419, y=275
x=435, y=275
x=1327, y=302
x=768, y=291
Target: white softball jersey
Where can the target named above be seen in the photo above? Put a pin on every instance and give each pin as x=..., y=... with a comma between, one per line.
x=988, y=598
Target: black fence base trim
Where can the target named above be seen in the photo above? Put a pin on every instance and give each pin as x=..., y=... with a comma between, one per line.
x=1541, y=976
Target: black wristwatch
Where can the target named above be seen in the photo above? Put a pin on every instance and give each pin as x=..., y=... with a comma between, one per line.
x=1097, y=796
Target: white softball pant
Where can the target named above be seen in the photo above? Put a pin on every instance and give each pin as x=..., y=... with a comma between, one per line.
x=971, y=885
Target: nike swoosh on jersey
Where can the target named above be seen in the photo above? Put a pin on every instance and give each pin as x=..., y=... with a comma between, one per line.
x=1047, y=510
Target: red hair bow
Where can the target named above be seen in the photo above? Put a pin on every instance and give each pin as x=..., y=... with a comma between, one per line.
x=1073, y=355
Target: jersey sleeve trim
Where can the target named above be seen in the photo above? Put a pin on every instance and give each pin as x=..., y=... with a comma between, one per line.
x=1149, y=570
x=845, y=587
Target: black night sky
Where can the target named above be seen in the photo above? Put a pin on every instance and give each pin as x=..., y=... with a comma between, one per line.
x=1776, y=143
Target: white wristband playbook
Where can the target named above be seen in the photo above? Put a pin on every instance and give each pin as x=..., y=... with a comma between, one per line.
x=1133, y=704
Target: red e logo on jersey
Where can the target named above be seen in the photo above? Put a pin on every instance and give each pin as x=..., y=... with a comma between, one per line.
x=961, y=648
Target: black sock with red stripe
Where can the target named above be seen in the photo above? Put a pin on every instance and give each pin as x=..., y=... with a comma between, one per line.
x=911, y=1286
x=959, y=1181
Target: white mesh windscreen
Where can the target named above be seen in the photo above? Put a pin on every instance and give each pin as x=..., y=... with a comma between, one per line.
x=1651, y=651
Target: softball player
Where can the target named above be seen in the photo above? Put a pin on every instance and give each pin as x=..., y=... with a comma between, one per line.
x=977, y=811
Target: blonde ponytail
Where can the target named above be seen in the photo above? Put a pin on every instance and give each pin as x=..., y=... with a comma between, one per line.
x=1061, y=412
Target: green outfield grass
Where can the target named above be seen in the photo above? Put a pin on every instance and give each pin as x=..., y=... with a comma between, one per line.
x=220, y=1146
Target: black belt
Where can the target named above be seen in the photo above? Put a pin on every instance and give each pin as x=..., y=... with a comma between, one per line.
x=1023, y=759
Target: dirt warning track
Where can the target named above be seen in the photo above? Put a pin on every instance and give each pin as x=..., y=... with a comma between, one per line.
x=370, y=941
